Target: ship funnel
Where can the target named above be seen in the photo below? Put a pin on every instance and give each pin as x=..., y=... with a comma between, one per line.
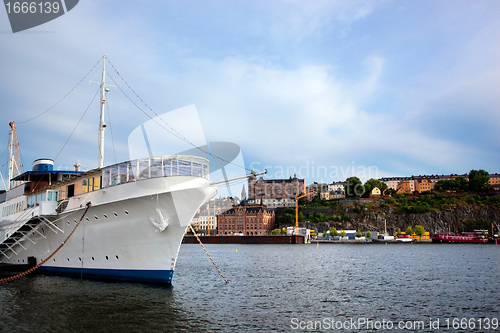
x=43, y=164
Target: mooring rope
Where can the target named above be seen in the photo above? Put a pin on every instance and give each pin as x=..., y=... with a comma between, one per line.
x=213, y=262
x=15, y=277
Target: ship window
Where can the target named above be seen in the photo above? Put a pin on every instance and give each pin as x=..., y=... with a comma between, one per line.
x=51, y=195
x=115, y=214
x=71, y=190
x=144, y=169
x=97, y=183
x=167, y=167
x=126, y=212
x=85, y=186
x=106, y=175
x=95, y=216
x=184, y=167
x=114, y=176
x=105, y=216
x=132, y=171
x=107, y=258
x=156, y=169
x=123, y=173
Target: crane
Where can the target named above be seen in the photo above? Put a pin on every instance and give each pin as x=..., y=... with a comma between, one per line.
x=297, y=211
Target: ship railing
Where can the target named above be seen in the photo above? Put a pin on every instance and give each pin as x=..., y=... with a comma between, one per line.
x=155, y=167
x=21, y=236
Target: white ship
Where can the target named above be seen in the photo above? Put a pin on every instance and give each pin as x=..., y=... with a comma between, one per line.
x=138, y=214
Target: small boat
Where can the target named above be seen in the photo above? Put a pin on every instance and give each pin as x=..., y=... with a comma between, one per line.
x=466, y=237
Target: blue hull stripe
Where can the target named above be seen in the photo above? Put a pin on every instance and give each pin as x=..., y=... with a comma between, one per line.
x=132, y=275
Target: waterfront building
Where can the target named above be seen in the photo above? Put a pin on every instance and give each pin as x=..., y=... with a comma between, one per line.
x=393, y=182
x=495, y=181
x=275, y=193
x=195, y=223
x=406, y=186
x=206, y=222
x=247, y=220
x=423, y=185
x=335, y=190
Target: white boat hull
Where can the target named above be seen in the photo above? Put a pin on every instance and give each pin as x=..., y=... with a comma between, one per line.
x=117, y=239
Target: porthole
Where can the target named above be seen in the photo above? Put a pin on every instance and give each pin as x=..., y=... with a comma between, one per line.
x=80, y=259
x=126, y=212
x=95, y=216
x=77, y=221
x=116, y=257
x=68, y=222
x=86, y=219
x=93, y=259
x=107, y=258
x=53, y=260
x=115, y=214
x=105, y=216
x=67, y=259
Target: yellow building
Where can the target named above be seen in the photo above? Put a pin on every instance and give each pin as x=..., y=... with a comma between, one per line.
x=375, y=193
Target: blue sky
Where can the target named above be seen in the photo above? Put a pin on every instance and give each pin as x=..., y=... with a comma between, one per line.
x=326, y=89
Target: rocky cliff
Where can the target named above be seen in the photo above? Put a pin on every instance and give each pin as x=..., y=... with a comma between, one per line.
x=451, y=219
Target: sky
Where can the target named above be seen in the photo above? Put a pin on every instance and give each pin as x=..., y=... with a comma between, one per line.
x=322, y=89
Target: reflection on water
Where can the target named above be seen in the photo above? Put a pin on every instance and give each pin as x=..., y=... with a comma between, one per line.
x=270, y=285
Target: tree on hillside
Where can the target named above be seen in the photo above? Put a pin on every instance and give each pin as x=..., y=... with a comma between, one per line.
x=286, y=219
x=333, y=231
x=371, y=184
x=390, y=192
x=353, y=187
x=419, y=230
x=453, y=185
x=478, y=180
x=463, y=184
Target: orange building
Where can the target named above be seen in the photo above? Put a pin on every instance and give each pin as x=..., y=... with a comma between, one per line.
x=405, y=186
x=495, y=180
x=423, y=184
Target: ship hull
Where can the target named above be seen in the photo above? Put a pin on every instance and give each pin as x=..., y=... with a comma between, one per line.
x=447, y=238
x=117, y=239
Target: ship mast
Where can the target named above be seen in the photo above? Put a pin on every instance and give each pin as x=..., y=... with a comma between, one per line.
x=102, y=125
x=15, y=160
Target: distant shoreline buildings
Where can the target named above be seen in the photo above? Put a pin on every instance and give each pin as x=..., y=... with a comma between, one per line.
x=255, y=215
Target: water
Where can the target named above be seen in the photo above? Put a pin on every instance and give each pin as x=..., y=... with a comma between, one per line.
x=276, y=288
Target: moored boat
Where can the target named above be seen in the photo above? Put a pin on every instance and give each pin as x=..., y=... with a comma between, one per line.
x=469, y=237
x=125, y=221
